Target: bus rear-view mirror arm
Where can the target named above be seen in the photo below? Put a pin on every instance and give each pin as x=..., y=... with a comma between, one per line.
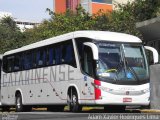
x=94, y=49
x=155, y=53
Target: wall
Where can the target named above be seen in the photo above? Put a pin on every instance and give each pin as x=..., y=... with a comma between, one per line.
x=97, y=6
x=60, y=6
x=155, y=86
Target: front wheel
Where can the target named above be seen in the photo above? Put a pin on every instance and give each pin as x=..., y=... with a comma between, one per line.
x=73, y=104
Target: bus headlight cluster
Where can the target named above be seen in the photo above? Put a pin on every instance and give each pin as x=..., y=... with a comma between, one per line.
x=105, y=89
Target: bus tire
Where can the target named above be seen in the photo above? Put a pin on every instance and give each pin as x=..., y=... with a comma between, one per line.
x=74, y=105
x=19, y=105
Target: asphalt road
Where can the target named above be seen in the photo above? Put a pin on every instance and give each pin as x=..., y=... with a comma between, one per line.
x=85, y=115
x=45, y=116
x=78, y=116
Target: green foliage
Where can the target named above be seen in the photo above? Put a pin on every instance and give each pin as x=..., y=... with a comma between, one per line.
x=122, y=19
x=10, y=35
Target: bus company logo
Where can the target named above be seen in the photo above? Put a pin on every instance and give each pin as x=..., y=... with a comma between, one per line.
x=85, y=78
x=127, y=92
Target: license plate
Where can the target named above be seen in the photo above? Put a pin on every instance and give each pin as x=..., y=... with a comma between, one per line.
x=127, y=99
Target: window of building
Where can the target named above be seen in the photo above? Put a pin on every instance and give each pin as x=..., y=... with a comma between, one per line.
x=72, y=4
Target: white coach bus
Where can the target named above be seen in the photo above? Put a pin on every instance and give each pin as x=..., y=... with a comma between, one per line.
x=77, y=69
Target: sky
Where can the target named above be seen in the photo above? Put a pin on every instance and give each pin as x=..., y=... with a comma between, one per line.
x=30, y=10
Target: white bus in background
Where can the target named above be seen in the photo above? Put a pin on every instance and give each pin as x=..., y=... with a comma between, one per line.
x=77, y=69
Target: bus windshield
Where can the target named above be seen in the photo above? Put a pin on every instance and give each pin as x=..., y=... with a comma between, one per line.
x=122, y=63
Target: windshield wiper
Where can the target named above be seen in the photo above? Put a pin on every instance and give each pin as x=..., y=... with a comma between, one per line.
x=132, y=71
x=126, y=66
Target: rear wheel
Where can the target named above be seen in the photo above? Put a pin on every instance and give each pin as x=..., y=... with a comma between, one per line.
x=19, y=105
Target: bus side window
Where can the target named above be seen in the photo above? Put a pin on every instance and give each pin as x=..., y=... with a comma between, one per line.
x=34, y=62
x=5, y=64
x=58, y=54
x=39, y=57
x=47, y=56
x=17, y=63
x=80, y=50
x=28, y=60
x=51, y=56
x=70, y=57
x=67, y=55
x=10, y=63
x=149, y=55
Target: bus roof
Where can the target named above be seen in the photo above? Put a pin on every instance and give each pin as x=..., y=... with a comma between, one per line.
x=97, y=35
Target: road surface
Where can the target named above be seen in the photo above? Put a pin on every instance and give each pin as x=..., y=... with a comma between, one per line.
x=85, y=115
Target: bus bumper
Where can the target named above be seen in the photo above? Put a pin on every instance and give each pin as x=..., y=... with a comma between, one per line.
x=123, y=100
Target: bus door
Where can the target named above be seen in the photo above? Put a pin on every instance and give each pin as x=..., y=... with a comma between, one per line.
x=88, y=69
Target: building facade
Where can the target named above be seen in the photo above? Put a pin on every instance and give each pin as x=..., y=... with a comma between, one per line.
x=150, y=32
x=24, y=24
x=91, y=6
x=21, y=24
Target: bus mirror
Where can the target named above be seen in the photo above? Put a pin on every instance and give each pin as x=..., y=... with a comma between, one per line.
x=94, y=49
x=154, y=52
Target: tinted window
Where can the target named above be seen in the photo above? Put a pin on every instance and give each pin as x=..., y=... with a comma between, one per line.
x=28, y=60
x=17, y=61
x=56, y=54
x=41, y=57
x=85, y=55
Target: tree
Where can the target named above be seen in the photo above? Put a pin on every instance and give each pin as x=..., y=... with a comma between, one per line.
x=61, y=23
x=10, y=35
x=122, y=19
